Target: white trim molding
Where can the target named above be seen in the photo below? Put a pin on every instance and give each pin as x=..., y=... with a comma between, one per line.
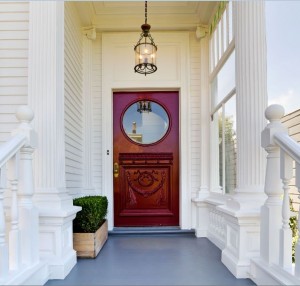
x=172, y=74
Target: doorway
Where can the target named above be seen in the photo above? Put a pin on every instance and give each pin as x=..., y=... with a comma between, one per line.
x=146, y=158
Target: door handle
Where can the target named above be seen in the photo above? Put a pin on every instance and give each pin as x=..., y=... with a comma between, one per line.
x=116, y=170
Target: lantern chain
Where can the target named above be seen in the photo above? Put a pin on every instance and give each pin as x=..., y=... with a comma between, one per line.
x=145, y=12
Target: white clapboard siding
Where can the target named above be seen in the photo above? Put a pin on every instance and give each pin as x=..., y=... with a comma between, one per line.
x=14, y=23
x=73, y=100
x=292, y=122
x=194, y=100
x=97, y=113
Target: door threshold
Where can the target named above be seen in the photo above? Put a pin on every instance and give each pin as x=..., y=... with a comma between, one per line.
x=155, y=230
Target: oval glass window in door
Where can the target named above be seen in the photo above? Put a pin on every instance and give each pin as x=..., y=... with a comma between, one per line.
x=145, y=122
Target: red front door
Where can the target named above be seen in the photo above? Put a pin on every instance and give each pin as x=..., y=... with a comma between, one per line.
x=146, y=158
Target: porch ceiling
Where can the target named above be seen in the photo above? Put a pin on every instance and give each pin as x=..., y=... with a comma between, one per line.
x=162, y=15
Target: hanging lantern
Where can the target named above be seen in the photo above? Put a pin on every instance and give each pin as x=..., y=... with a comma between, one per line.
x=145, y=50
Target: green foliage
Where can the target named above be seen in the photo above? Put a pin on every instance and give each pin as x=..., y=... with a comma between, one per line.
x=92, y=215
x=294, y=228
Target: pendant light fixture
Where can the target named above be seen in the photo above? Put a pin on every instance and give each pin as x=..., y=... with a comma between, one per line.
x=145, y=50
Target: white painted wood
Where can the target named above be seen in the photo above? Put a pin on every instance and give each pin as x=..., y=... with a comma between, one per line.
x=89, y=129
x=286, y=173
x=251, y=100
x=96, y=89
x=73, y=101
x=195, y=107
x=46, y=96
x=13, y=62
x=271, y=219
x=14, y=234
x=4, y=258
x=23, y=229
x=292, y=122
x=204, y=119
x=297, y=247
x=173, y=73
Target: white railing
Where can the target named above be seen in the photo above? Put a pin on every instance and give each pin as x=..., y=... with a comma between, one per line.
x=276, y=235
x=19, y=220
x=216, y=227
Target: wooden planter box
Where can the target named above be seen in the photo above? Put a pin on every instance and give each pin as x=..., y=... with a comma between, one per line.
x=88, y=245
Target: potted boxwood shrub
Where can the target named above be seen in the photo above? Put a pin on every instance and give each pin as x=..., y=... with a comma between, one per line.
x=90, y=226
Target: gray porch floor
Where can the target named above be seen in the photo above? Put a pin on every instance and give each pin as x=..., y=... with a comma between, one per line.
x=153, y=260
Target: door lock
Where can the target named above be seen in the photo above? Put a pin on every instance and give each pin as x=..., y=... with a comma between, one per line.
x=116, y=170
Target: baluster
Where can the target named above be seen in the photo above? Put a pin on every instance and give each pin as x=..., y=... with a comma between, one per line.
x=223, y=229
x=14, y=235
x=210, y=228
x=219, y=224
x=297, y=247
x=214, y=220
x=286, y=173
x=3, y=246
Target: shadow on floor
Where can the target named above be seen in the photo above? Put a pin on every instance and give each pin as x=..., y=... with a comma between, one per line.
x=153, y=260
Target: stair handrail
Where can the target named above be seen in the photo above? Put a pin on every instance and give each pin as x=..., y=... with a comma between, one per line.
x=16, y=159
x=276, y=234
x=11, y=147
x=288, y=145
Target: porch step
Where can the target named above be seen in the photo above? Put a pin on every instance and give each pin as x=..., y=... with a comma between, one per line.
x=155, y=231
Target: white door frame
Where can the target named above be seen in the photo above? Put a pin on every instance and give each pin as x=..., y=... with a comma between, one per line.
x=114, y=79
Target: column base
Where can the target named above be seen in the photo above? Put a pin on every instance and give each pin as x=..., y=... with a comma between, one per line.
x=60, y=268
x=240, y=269
x=242, y=240
x=56, y=232
x=202, y=217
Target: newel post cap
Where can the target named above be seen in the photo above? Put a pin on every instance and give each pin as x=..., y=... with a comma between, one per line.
x=24, y=114
x=274, y=112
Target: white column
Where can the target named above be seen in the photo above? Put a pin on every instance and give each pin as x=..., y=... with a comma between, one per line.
x=88, y=186
x=46, y=97
x=243, y=222
x=251, y=99
x=46, y=92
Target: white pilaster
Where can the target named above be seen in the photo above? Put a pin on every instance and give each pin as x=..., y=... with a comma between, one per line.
x=46, y=97
x=88, y=186
x=251, y=98
x=202, y=210
x=205, y=119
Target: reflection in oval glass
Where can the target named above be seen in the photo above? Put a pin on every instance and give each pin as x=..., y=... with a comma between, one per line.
x=145, y=127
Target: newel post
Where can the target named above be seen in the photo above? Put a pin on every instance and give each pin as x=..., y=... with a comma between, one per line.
x=271, y=218
x=28, y=213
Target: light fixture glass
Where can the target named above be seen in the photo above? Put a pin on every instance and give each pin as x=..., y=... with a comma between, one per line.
x=145, y=50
